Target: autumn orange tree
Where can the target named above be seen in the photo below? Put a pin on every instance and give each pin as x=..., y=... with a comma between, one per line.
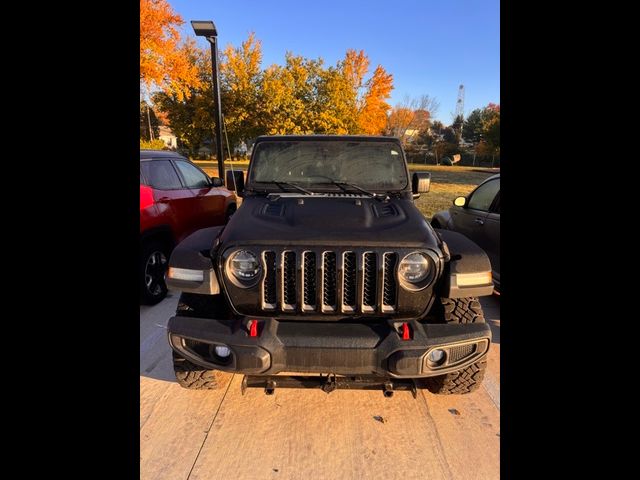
x=164, y=60
x=302, y=96
x=411, y=117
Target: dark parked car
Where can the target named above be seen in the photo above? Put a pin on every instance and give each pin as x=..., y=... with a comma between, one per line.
x=176, y=199
x=478, y=217
x=328, y=269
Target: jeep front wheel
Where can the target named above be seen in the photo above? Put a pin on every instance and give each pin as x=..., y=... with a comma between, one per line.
x=467, y=380
x=194, y=377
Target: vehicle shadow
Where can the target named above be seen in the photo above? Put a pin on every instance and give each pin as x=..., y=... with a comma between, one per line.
x=155, y=352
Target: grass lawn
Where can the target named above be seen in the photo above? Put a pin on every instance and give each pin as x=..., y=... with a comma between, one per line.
x=447, y=183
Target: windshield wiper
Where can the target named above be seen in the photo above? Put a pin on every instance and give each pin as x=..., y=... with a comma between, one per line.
x=289, y=184
x=377, y=196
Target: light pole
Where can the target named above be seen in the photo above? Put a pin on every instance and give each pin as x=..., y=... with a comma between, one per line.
x=206, y=29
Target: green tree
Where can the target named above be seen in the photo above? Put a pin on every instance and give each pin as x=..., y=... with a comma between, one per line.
x=449, y=136
x=473, y=125
x=457, y=127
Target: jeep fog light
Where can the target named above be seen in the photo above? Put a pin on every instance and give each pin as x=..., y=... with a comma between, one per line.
x=222, y=351
x=436, y=357
x=185, y=274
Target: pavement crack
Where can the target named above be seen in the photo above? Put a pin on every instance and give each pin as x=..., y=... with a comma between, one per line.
x=492, y=390
x=206, y=435
x=442, y=459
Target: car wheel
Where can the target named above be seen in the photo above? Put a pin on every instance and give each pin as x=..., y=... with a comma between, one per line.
x=467, y=380
x=154, y=260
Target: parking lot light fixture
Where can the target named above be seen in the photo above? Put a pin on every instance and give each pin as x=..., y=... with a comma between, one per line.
x=207, y=29
x=204, y=28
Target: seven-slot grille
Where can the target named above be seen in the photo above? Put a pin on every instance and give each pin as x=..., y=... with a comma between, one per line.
x=329, y=281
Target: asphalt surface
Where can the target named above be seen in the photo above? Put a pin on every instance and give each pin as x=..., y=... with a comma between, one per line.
x=297, y=434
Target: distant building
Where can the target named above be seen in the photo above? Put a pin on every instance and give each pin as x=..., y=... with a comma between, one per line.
x=411, y=134
x=168, y=137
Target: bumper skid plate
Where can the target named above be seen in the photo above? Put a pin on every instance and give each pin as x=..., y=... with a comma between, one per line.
x=328, y=383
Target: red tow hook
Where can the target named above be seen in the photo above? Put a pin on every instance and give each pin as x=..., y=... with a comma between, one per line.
x=406, y=332
x=253, y=328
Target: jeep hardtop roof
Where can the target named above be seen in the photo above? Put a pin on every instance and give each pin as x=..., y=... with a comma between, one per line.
x=351, y=138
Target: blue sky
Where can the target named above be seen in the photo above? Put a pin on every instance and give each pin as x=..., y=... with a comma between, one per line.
x=429, y=46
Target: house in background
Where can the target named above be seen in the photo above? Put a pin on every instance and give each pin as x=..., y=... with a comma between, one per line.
x=167, y=136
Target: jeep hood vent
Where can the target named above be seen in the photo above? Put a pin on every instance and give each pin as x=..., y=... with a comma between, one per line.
x=385, y=210
x=273, y=210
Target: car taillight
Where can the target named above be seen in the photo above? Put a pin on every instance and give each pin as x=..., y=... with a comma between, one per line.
x=146, y=196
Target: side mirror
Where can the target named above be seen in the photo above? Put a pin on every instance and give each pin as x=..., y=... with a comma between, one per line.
x=235, y=181
x=460, y=201
x=216, y=182
x=421, y=182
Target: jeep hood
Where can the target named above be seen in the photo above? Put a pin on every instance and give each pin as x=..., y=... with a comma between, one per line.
x=332, y=220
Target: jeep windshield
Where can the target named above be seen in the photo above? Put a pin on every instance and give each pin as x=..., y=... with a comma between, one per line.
x=325, y=165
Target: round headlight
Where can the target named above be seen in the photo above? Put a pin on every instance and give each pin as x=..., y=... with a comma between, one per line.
x=414, y=268
x=244, y=265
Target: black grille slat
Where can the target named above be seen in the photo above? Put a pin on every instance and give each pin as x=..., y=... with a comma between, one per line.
x=309, y=292
x=329, y=279
x=270, y=296
x=350, y=281
x=370, y=275
x=329, y=282
x=390, y=287
x=289, y=281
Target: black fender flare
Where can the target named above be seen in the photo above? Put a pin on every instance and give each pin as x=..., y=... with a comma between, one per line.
x=468, y=272
x=194, y=254
x=442, y=218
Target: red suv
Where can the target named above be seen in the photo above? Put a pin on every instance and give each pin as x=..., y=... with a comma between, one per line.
x=176, y=199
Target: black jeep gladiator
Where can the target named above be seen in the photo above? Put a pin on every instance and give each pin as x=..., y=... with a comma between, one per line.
x=328, y=273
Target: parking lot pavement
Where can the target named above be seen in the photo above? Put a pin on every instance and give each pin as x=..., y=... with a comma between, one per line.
x=306, y=433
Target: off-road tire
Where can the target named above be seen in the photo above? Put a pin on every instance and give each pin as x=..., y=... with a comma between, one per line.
x=194, y=377
x=460, y=310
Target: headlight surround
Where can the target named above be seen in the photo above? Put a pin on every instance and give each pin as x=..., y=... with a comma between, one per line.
x=244, y=267
x=416, y=270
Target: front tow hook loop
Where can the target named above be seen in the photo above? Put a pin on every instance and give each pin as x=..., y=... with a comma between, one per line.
x=270, y=387
x=330, y=385
x=388, y=390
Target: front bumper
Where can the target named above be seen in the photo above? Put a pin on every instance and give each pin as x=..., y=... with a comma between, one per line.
x=365, y=348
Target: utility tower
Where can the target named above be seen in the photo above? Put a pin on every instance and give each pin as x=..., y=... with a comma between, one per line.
x=460, y=103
